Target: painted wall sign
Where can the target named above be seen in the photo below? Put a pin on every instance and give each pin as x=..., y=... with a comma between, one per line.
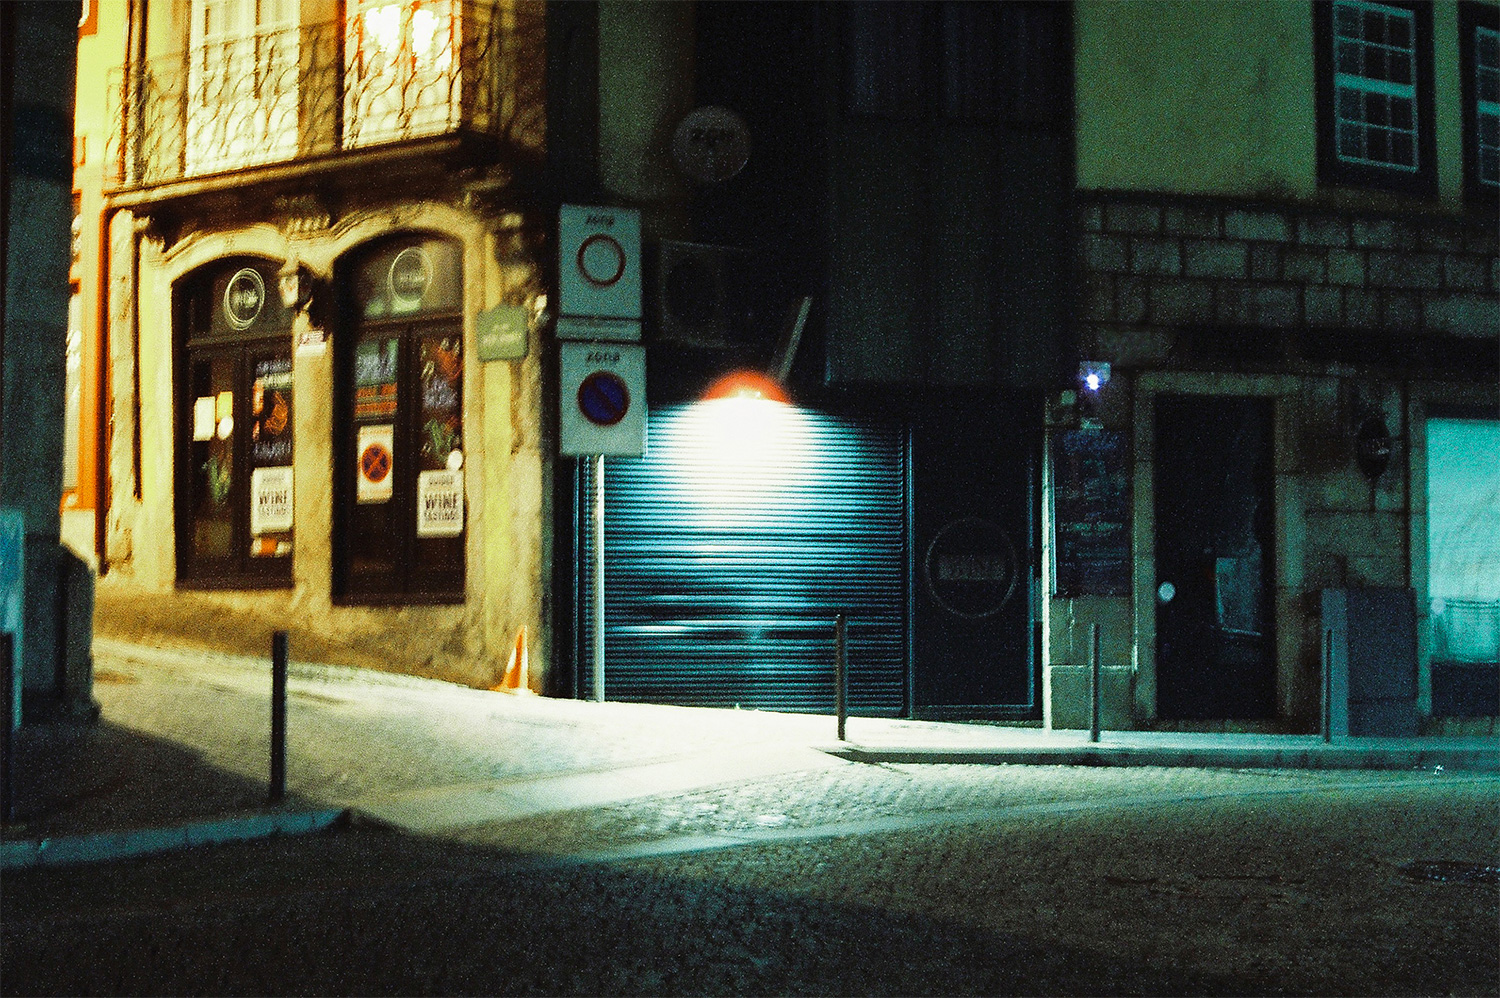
x=599, y=273
x=270, y=500
x=1091, y=507
x=440, y=503
x=373, y=450
x=602, y=399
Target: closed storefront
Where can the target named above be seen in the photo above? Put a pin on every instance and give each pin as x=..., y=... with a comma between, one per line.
x=731, y=546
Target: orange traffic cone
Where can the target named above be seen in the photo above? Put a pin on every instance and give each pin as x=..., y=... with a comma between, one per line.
x=515, y=669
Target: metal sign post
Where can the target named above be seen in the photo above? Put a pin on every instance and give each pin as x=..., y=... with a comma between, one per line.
x=599, y=577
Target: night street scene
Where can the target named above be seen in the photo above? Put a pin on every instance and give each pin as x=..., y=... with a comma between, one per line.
x=722, y=498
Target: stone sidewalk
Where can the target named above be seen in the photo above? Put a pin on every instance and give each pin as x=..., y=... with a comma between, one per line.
x=181, y=755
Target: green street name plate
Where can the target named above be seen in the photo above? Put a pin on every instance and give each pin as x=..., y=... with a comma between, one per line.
x=502, y=332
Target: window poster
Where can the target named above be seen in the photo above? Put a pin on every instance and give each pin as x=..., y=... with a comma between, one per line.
x=270, y=500
x=440, y=503
x=373, y=450
x=203, y=418
x=375, y=378
x=271, y=406
x=1091, y=503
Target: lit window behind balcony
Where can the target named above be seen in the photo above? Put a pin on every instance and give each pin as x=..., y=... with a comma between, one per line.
x=242, y=84
x=400, y=77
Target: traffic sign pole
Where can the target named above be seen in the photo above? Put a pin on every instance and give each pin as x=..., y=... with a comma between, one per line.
x=599, y=578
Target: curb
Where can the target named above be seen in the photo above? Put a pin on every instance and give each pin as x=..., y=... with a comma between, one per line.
x=104, y=847
x=1351, y=757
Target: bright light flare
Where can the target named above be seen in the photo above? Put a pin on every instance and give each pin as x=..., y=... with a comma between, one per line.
x=746, y=385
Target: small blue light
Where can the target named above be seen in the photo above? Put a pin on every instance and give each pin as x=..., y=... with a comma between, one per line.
x=1092, y=381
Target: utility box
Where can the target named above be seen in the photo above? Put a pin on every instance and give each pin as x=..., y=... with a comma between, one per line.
x=1370, y=662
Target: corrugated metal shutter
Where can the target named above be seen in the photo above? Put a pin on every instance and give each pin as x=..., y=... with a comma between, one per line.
x=731, y=545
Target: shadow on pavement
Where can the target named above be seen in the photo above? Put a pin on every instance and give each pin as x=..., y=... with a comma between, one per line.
x=74, y=779
x=368, y=911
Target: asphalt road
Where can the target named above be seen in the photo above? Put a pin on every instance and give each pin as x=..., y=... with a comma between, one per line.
x=858, y=880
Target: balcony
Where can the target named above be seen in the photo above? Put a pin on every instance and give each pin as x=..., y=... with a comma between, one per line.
x=331, y=94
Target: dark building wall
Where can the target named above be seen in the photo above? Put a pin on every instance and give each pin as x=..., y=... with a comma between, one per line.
x=39, y=42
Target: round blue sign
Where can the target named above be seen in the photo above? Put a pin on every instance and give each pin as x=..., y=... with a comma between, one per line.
x=603, y=398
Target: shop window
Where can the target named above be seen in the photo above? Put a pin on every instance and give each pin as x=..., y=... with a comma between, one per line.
x=1479, y=62
x=1463, y=565
x=400, y=448
x=1375, y=104
x=234, y=436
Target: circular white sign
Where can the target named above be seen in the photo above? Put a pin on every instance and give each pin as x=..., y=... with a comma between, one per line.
x=410, y=275
x=244, y=297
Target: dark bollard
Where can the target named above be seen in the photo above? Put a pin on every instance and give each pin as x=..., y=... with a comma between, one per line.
x=1327, y=723
x=840, y=672
x=278, y=716
x=1097, y=674
x=8, y=714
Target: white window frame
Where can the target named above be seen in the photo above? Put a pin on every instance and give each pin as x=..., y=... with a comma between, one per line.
x=1356, y=87
x=1486, y=110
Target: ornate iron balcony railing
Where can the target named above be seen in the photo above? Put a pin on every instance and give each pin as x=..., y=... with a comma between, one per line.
x=388, y=73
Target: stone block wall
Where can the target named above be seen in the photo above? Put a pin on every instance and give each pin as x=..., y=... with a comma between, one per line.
x=1148, y=269
x=1340, y=317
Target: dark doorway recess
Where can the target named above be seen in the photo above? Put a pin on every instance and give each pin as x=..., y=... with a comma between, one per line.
x=1215, y=646
x=974, y=461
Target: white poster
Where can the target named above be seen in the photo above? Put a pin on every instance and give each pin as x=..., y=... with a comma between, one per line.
x=440, y=503
x=203, y=418
x=270, y=500
x=373, y=452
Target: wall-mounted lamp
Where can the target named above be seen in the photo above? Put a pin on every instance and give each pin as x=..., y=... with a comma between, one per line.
x=295, y=285
x=1093, y=375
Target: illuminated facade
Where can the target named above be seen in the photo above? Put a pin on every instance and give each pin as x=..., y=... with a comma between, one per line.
x=308, y=210
x=1135, y=316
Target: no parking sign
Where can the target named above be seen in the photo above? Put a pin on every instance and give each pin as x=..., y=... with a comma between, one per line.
x=599, y=273
x=602, y=399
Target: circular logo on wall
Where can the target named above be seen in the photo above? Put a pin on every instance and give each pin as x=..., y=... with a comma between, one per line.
x=970, y=568
x=411, y=274
x=244, y=297
x=711, y=144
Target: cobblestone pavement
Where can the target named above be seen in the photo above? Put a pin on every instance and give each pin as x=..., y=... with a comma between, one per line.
x=1002, y=880
x=859, y=798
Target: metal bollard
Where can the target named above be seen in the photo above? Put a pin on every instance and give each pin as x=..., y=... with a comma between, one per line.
x=1327, y=685
x=278, y=716
x=840, y=672
x=7, y=719
x=1097, y=674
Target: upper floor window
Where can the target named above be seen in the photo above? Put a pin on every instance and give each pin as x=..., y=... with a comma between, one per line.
x=958, y=61
x=1479, y=62
x=242, y=84
x=1375, y=119
x=401, y=69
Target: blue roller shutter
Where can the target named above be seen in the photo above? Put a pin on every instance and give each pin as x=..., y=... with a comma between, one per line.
x=731, y=545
